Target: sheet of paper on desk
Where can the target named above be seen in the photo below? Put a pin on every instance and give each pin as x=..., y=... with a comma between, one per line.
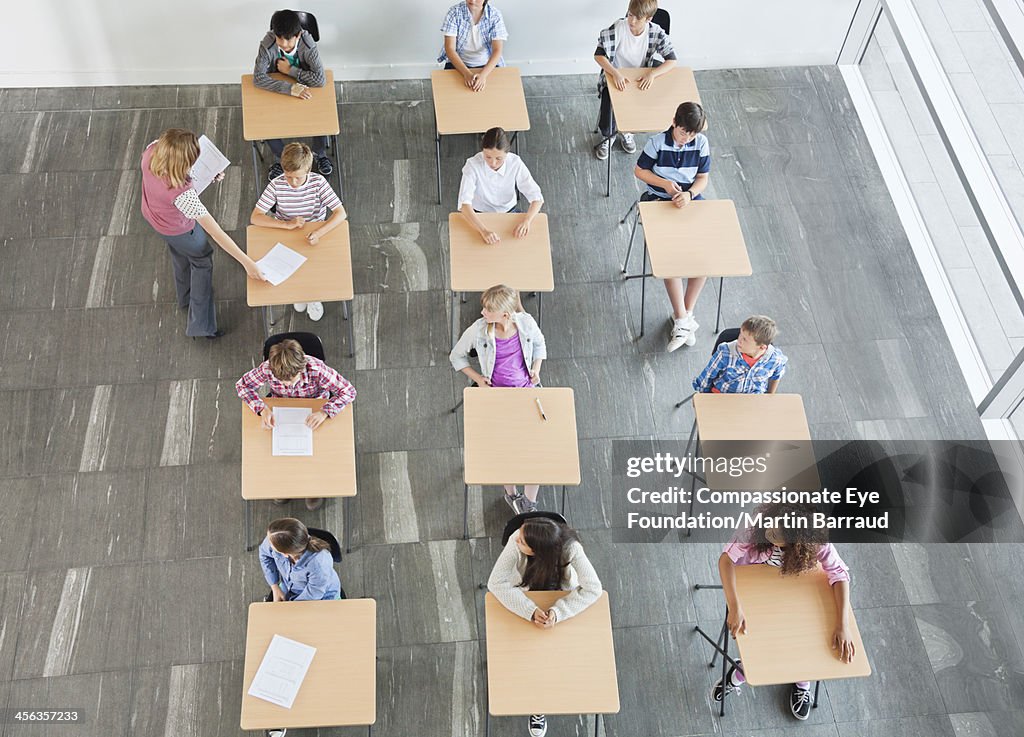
x=280, y=263
x=292, y=437
x=282, y=671
x=210, y=163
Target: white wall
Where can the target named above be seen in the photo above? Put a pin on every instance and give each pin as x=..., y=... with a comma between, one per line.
x=115, y=42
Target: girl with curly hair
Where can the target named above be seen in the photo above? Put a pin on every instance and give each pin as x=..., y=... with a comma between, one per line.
x=795, y=549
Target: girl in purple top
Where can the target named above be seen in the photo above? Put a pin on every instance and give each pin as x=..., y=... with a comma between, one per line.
x=795, y=551
x=510, y=349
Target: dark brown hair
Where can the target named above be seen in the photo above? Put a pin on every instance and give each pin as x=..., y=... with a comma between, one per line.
x=690, y=117
x=800, y=553
x=496, y=138
x=290, y=537
x=545, y=569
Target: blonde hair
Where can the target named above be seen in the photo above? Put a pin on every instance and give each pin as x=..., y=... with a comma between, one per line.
x=286, y=359
x=761, y=328
x=296, y=157
x=642, y=8
x=501, y=298
x=173, y=156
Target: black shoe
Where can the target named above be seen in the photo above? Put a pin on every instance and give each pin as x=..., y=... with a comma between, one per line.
x=800, y=702
x=218, y=334
x=275, y=172
x=538, y=725
x=269, y=596
x=324, y=166
x=733, y=687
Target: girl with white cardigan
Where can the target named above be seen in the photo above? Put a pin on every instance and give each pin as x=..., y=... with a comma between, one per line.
x=510, y=348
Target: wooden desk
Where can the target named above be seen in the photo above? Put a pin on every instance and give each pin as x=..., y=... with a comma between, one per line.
x=521, y=263
x=329, y=472
x=650, y=110
x=458, y=109
x=267, y=115
x=699, y=240
x=547, y=451
x=733, y=425
x=790, y=621
x=584, y=681
x=340, y=688
x=325, y=277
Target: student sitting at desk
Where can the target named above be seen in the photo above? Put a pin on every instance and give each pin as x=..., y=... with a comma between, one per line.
x=544, y=555
x=298, y=197
x=629, y=43
x=794, y=551
x=675, y=165
x=511, y=349
x=489, y=183
x=296, y=565
x=289, y=372
x=290, y=50
x=751, y=364
x=474, y=36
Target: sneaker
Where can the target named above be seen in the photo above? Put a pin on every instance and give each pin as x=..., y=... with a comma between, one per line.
x=324, y=166
x=800, y=702
x=281, y=502
x=314, y=504
x=277, y=732
x=315, y=310
x=300, y=306
x=515, y=501
x=275, y=172
x=684, y=332
x=527, y=506
x=602, y=149
x=718, y=692
x=538, y=725
x=628, y=142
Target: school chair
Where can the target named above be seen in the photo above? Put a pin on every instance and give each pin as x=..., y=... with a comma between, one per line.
x=516, y=522
x=726, y=336
x=472, y=354
x=310, y=342
x=331, y=540
x=308, y=23
x=661, y=18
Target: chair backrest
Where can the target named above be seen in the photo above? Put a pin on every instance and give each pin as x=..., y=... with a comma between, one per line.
x=329, y=539
x=726, y=336
x=308, y=23
x=516, y=522
x=310, y=343
x=661, y=18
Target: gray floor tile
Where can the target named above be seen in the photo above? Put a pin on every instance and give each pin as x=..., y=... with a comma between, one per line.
x=12, y=596
x=936, y=724
x=394, y=403
x=608, y=396
x=103, y=698
x=32, y=355
x=39, y=272
x=776, y=239
x=605, y=310
x=592, y=249
x=400, y=257
x=52, y=424
x=191, y=700
x=18, y=518
x=64, y=98
x=872, y=384
x=943, y=573
x=874, y=576
x=809, y=375
x=128, y=97
x=394, y=90
x=402, y=330
x=853, y=305
x=987, y=724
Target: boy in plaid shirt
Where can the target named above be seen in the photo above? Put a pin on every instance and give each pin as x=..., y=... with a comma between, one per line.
x=748, y=365
x=630, y=42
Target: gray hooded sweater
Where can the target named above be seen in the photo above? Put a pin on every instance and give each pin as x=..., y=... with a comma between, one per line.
x=310, y=71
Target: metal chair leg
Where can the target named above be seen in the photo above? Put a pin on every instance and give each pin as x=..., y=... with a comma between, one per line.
x=346, y=521
x=563, y=500
x=465, y=513
x=817, y=685
x=456, y=407
x=632, y=234
x=249, y=546
x=718, y=317
x=437, y=157
x=681, y=402
x=643, y=288
x=351, y=329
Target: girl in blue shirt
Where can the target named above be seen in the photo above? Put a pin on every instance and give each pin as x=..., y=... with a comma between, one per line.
x=297, y=566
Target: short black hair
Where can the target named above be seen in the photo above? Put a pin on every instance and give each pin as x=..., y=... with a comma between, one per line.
x=285, y=24
x=690, y=117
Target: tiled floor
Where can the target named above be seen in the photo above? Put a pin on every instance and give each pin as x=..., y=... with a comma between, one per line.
x=123, y=577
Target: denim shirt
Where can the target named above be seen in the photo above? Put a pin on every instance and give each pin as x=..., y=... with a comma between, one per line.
x=312, y=578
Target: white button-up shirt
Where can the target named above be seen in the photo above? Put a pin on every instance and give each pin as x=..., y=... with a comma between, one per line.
x=487, y=190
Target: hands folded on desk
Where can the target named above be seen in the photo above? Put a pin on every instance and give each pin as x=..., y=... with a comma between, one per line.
x=544, y=620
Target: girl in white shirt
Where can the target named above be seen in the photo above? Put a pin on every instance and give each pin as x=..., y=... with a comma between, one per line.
x=544, y=555
x=489, y=183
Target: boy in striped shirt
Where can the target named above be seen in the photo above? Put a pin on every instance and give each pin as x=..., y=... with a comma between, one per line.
x=296, y=198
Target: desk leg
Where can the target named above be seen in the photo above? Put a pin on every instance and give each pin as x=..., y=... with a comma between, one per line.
x=643, y=288
x=632, y=235
x=256, y=168
x=369, y=730
x=337, y=162
x=455, y=318
x=267, y=324
x=248, y=526
x=597, y=722
x=817, y=685
x=515, y=137
x=540, y=308
x=725, y=665
x=563, y=500
x=465, y=512
x=351, y=328
x=437, y=156
x=346, y=522
x=718, y=316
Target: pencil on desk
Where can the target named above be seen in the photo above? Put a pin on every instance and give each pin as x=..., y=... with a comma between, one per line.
x=541, y=408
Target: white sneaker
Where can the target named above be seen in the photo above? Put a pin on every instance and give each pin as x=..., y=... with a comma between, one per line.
x=299, y=306
x=684, y=332
x=277, y=732
x=602, y=149
x=628, y=142
x=538, y=726
x=315, y=310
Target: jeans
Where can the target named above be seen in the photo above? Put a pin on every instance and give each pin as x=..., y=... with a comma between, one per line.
x=192, y=258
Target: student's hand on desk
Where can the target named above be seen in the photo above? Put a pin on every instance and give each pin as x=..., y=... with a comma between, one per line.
x=737, y=622
x=681, y=199
x=313, y=237
x=535, y=377
x=267, y=419
x=620, y=81
x=483, y=381
x=470, y=78
x=543, y=620
x=491, y=238
x=842, y=641
x=278, y=594
x=301, y=91
x=479, y=81
x=283, y=66
x=296, y=223
x=644, y=81
x=316, y=419
x=522, y=228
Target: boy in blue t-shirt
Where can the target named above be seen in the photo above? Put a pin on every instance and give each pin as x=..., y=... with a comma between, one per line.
x=675, y=165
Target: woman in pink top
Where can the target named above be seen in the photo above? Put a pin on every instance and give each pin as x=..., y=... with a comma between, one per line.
x=795, y=551
x=172, y=207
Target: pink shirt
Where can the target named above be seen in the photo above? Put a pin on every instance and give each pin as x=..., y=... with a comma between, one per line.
x=744, y=554
x=509, y=364
x=158, y=201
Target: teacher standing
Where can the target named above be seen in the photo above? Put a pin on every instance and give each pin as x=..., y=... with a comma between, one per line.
x=171, y=205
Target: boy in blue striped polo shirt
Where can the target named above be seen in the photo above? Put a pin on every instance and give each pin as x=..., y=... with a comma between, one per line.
x=675, y=166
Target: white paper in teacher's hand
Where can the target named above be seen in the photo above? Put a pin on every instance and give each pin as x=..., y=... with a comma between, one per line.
x=210, y=163
x=280, y=263
x=292, y=437
x=282, y=671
